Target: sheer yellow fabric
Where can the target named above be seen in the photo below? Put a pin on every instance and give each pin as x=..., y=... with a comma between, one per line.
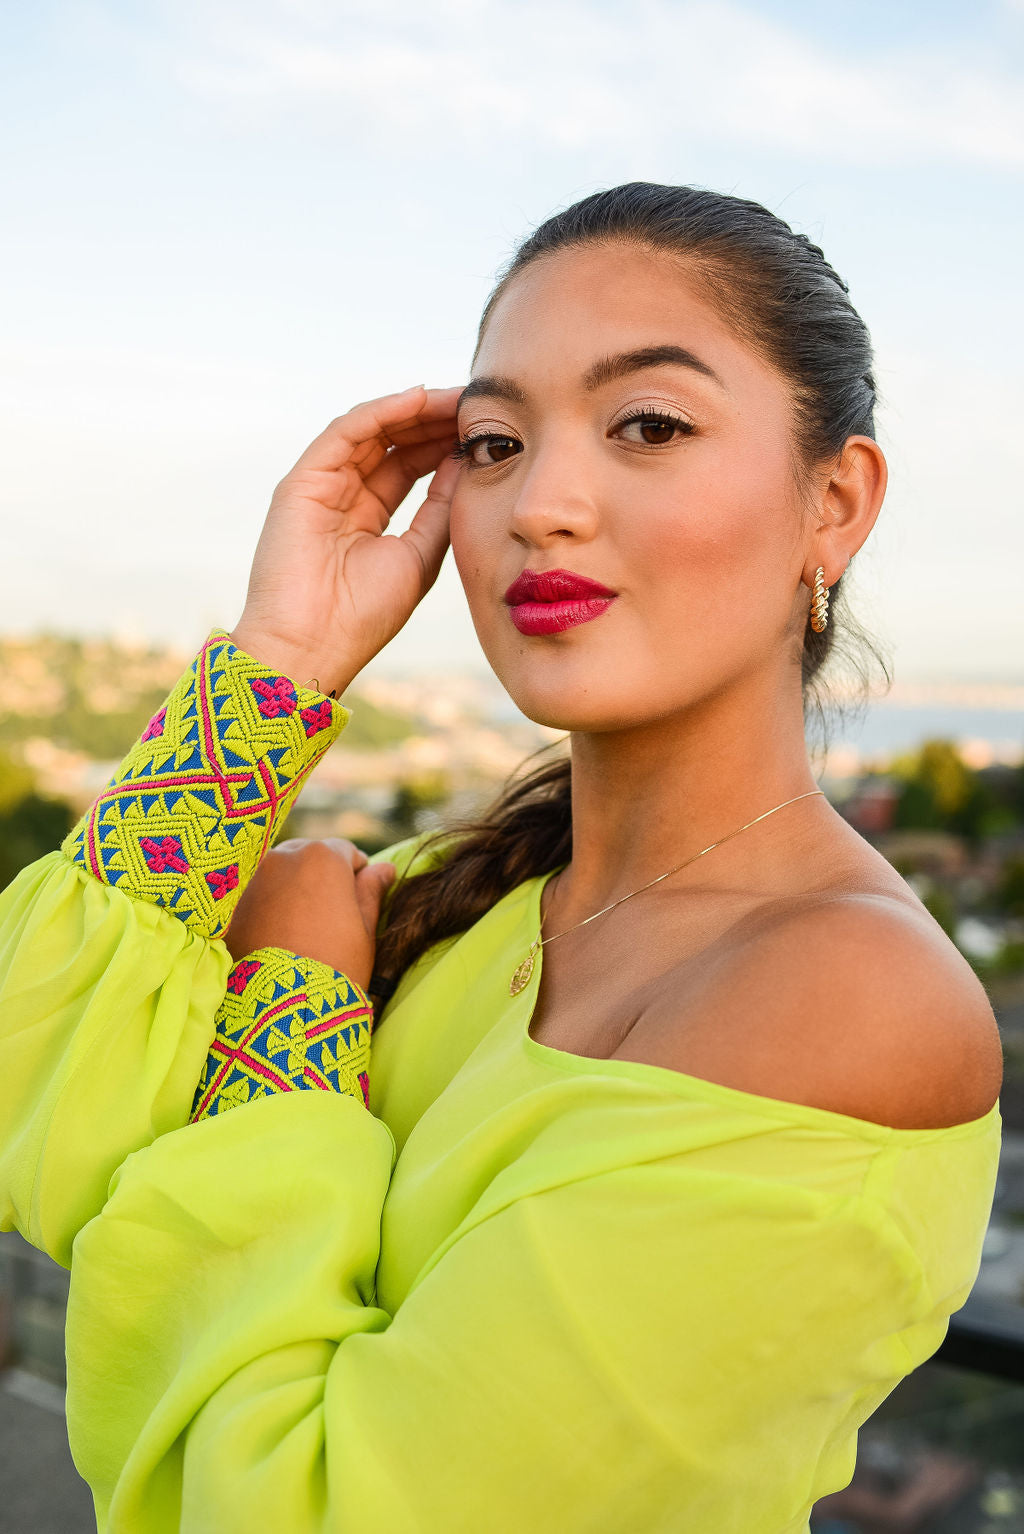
x=525, y=1290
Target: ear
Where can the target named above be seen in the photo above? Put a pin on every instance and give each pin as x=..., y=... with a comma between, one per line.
x=847, y=509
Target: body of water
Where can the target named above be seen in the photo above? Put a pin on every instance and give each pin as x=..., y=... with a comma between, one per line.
x=983, y=734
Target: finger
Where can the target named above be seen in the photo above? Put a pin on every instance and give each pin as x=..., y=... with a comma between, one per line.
x=368, y=455
x=337, y=442
x=354, y=856
x=371, y=884
x=428, y=531
x=425, y=431
x=375, y=420
x=392, y=480
x=339, y=488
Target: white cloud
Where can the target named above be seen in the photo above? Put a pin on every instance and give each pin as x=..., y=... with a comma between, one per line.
x=575, y=74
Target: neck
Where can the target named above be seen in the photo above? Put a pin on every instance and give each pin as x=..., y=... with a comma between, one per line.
x=649, y=797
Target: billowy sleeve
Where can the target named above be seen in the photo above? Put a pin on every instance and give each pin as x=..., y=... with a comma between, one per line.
x=117, y=991
x=656, y=1346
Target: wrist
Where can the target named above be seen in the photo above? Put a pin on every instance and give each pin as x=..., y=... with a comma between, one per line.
x=286, y=1022
x=305, y=667
x=202, y=794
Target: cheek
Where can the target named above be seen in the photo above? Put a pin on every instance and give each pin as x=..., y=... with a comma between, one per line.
x=473, y=544
x=688, y=540
x=729, y=514
x=462, y=534
x=719, y=542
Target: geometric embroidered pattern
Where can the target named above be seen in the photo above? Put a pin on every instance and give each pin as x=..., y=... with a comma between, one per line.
x=204, y=792
x=286, y=1023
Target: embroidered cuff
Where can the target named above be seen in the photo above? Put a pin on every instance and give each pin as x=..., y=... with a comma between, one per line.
x=204, y=792
x=286, y=1023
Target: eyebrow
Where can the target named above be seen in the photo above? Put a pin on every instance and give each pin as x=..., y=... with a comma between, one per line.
x=619, y=365
x=624, y=363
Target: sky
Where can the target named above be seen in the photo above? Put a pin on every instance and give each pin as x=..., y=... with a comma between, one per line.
x=227, y=223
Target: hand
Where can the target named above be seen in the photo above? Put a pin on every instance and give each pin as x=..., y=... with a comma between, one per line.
x=318, y=899
x=329, y=586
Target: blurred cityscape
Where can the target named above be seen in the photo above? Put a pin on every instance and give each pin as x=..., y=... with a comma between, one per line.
x=932, y=775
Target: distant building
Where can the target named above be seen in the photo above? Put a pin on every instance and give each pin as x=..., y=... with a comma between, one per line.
x=939, y=855
x=872, y=804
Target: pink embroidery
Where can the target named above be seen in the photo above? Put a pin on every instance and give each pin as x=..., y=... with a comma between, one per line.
x=241, y=975
x=213, y=770
x=155, y=725
x=223, y=880
x=163, y=854
x=277, y=696
x=316, y=718
x=364, y=1086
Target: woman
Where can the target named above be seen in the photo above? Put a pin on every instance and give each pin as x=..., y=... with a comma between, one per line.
x=642, y=1225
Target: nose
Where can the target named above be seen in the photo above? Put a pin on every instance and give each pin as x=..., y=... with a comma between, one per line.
x=553, y=502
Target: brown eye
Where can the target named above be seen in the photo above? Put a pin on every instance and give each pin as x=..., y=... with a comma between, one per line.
x=653, y=428
x=500, y=448
x=487, y=449
x=657, y=431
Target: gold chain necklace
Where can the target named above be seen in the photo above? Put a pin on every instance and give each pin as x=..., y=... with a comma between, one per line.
x=521, y=977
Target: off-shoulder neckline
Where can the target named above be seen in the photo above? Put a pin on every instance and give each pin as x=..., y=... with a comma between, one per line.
x=682, y=1084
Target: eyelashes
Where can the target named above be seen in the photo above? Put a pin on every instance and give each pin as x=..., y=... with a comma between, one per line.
x=649, y=415
x=464, y=447
x=647, y=418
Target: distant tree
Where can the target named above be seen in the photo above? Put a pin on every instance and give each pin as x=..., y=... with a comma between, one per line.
x=30, y=824
x=33, y=828
x=943, y=769
x=1016, y=790
x=373, y=728
x=106, y=737
x=983, y=813
x=939, y=901
x=1010, y=886
x=940, y=792
x=414, y=799
x=937, y=767
x=16, y=782
x=915, y=808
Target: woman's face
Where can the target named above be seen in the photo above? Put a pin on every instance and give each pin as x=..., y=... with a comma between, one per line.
x=621, y=432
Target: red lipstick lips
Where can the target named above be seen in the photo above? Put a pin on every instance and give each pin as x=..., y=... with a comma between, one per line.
x=555, y=600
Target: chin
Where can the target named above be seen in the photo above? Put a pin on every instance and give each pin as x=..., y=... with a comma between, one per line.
x=583, y=681
x=567, y=702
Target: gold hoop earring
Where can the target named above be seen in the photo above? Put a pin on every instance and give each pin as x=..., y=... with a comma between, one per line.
x=819, y=602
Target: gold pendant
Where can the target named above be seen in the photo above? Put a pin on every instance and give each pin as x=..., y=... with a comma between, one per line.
x=521, y=978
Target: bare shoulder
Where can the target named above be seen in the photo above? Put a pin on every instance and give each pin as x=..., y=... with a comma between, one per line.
x=855, y=1002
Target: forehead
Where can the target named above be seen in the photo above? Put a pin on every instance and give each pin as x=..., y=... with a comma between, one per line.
x=568, y=308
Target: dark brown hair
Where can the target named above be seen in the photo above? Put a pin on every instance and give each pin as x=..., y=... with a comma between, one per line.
x=779, y=294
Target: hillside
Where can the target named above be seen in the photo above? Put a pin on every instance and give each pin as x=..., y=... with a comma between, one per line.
x=95, y=695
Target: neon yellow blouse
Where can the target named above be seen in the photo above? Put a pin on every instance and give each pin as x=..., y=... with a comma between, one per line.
x=524, y=1291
